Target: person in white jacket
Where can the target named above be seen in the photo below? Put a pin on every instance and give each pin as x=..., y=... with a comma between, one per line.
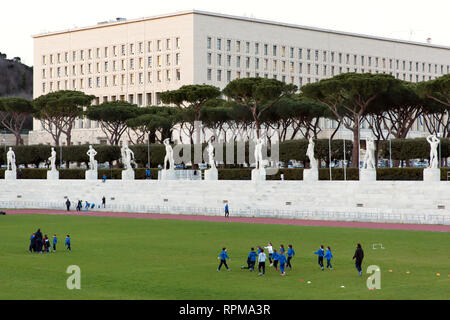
x=270, y=250
x=262, y=262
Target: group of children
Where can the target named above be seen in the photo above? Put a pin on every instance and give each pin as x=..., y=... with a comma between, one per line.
x=39, y=243
x=321, y=254
x=275, y=257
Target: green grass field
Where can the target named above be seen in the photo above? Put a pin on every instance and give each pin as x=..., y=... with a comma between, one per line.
x=124, y=258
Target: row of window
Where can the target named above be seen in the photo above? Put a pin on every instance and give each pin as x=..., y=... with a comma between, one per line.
x=229, y=60
x=105, y=52
x=113, y=66
x=231, y=75
x=322, y=55
x=114, y=80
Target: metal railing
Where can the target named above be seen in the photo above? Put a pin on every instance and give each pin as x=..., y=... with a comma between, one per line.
x=336, y=215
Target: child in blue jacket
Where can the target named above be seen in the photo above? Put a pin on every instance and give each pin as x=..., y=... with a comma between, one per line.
x=321, y=253
x=329, y=256
x=223, y=256
x=290, y=254
x=67, y=243
x=282, y=259
x=275, y=258
x=251, y=260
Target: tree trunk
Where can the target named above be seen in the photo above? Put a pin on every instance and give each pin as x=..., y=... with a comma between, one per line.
x=355, y=150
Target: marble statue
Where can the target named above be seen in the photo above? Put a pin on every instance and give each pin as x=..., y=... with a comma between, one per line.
x=369, y=158
x=169, y=155
x=258, y=154
x=52, y=159
x=127, y=156
x=310, y=154
x=434, y=142
x=11, y=160
x=211, y=154
x=92, y=162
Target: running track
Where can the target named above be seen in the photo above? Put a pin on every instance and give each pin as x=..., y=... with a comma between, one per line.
x=346, y=224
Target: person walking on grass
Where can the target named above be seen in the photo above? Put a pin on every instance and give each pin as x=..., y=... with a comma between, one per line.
x=55, y=240
x=223, y=256
x=67, y=244
x=282, y=259
x=329, y=256
x=270, y=251
x=290, y=255
x=275, y=257
x=46, y=244
x=251, y=260
x=281, y=248
x=359, y=256
x=321, y=253
x=262, y=262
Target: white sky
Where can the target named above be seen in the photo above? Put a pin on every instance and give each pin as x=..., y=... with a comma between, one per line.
x=413, y=20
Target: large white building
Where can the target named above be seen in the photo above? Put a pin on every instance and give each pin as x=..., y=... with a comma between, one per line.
x=135, y=60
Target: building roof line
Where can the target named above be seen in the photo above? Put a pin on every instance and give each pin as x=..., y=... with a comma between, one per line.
x=254, y=20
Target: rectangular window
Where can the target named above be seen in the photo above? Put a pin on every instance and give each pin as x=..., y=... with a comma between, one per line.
x=168, y=44
x=219, y=59
x=256, y=48
x=340, y=57
x=316, y=55
x=283, y=51
x=149, y=77
x=300, y=53
x=219, y=75
x=159, y=61
x=308, y=54
x=347, y=58
x=131, y=64
x=177, y=59
x=324, y=56
x=150, y=62
x=291, y=53
x=256, y=63
x=178, y=74
x=247, y=47
x=115, y=51
x=106, y=52
x=274, y=50
x=177, y=43
x=228, y=45
x=208, y=57
x=168, y=75
x=208, y=43
x=149, y=46
x=228, y=75
x=140, y=47
x=228, y=61
x=238, y=61
x=266, y=49
x=208, y=74
x=238, y=46
x=219, y=44
x=158, y=45
x=300, y=67
x=167, y=59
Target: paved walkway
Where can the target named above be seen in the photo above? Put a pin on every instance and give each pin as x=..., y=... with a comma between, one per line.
x=368, y=225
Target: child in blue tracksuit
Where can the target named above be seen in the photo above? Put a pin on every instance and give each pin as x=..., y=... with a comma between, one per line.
x=290, y=254
x=32, y=241
x=67, y=244
x=55, y=240
x=223, y=256
x=282, y=259
x=321, y=253
x=329, y=256
x=275, y=258
x=251, y=260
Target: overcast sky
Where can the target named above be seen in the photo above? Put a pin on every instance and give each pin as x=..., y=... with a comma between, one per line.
x=414, y=20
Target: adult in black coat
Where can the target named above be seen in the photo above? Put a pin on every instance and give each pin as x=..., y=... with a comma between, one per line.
x=38, y=241
x=359, y=256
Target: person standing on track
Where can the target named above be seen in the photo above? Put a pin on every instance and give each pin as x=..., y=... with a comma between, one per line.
x=359, y=256
x=68, y=204
x=227, y=210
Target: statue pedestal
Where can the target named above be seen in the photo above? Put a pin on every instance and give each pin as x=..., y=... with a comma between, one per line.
x=168, y=174
x=53, y=175
x=128, y=174
x=311, y=175
x=367, y=175
x=432, y=174
x=91, y=175
x=259, y=174
x=212, y=174
x=10, y=175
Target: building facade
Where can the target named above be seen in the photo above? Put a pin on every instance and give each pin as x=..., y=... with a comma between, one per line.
x=135, y=60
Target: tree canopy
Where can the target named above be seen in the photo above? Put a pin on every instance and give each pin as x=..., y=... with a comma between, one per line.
x=14, y=112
